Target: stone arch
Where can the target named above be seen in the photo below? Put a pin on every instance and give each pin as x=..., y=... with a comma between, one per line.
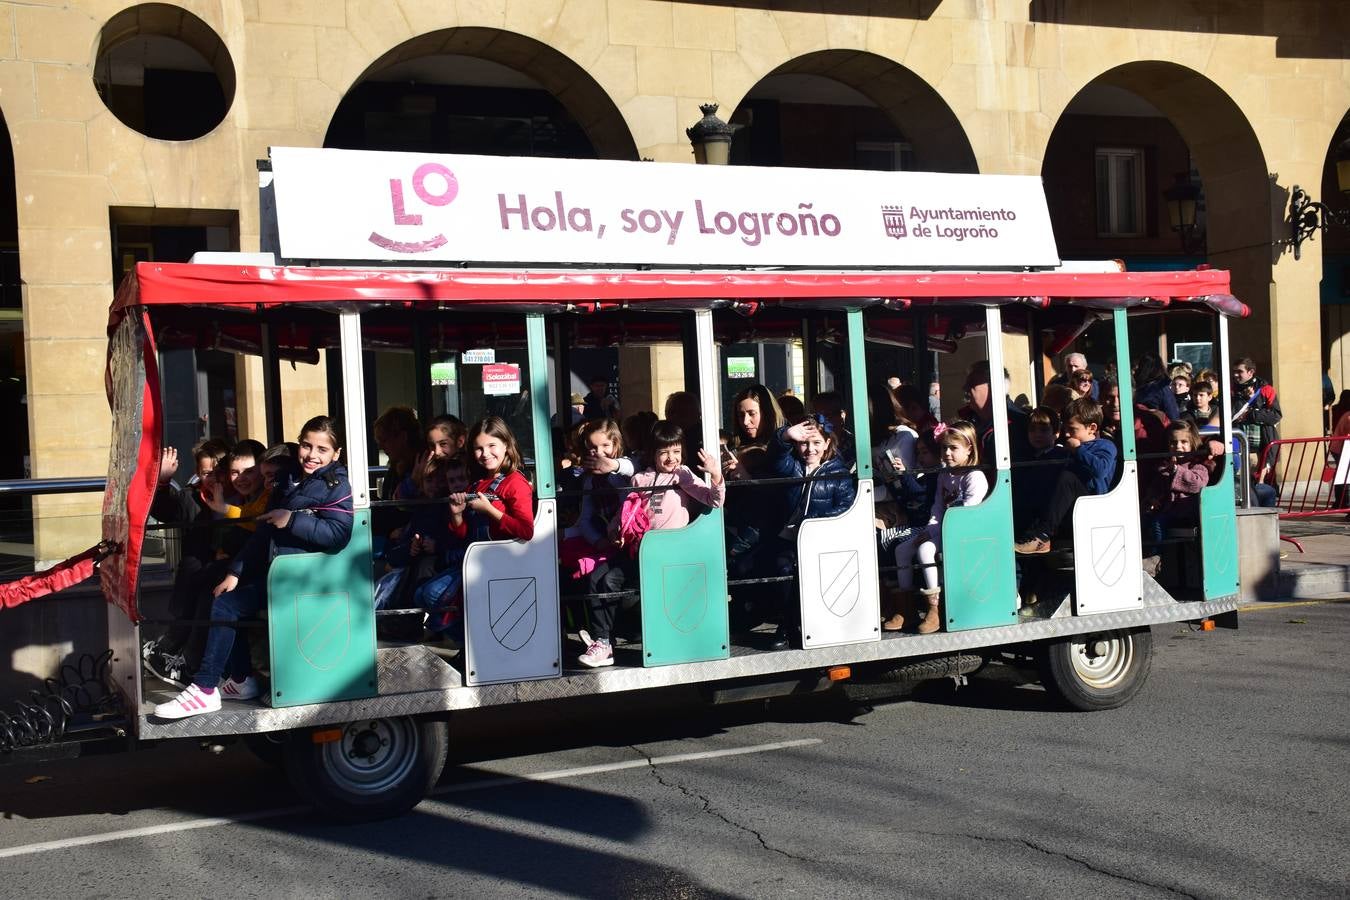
x=914, y=108
x=1334, y=293
x=1240, y=196
x=491, y=57
x=13, y=368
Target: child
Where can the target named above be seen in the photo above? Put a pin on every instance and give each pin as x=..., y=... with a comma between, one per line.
x=206, y=456
x=237, y=493
x=416, y=555
x=1172, y=496
x=310, y=514
x=1203, y=411
x=508, y=513
x=914, y=490
x=1181, y=387
x=604, y=485
x=1091, y=469
x=805, y=450
x=668, y=506
x=1035, y=479
x=446, y=436
x=960, y=484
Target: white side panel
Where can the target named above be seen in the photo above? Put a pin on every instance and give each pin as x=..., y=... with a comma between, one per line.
x=837, y=569
x=1107, y=547
x=354, y=408
x=511, y=626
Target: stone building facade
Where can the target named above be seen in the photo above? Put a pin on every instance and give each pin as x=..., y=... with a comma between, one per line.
x=135, y=130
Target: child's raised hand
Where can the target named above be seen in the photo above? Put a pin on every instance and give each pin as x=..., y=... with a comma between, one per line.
x=168, y=464
x=216, y=500
x=708, y=464
x=799, y=432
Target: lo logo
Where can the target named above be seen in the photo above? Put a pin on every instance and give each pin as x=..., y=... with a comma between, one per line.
x=434, y=185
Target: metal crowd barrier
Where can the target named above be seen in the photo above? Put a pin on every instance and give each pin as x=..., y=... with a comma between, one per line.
x=1312, y=475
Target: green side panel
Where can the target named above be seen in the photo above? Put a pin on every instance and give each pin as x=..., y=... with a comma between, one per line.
x=684, y=593
x=1218, y=536
x=1123, y=364
x=857, y=371
x=544, y=487
x=979, y=583
x=321, y=619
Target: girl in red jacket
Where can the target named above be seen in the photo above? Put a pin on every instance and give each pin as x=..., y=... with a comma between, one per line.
x=504, y=506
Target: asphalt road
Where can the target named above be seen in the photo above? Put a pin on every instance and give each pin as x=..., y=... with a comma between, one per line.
x=1226, y=777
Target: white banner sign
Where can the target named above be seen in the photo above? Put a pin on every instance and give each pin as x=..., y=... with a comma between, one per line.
x=421, y=207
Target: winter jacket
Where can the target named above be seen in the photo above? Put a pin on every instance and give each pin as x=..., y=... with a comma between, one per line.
x=322, y=520
x=1176, y=487
x=827, y=496
x=670, y=508
x=1094, y=462
x=515, y=499
x=1159, y=395
x=186, y=508
x=1263, y=410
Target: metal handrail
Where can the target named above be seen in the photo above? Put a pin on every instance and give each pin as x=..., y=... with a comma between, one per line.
x=35, y=486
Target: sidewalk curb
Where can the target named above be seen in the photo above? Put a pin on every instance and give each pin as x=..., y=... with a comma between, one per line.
x=1297, y=579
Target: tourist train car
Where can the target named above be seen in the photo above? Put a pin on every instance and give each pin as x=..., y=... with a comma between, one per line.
x=472, y=286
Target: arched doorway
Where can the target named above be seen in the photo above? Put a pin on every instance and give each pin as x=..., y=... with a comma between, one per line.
x=484, y=91
x=474, y=91
x=845, y=109
x=1335, y=288
x=848, y=109
x=13, y=380
x=1124, y=141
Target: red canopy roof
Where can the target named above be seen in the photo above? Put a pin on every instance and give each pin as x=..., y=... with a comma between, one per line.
x=230, y=285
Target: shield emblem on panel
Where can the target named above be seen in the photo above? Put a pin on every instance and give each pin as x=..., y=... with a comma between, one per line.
x=1108, y=553
x=685, y=592
x=976, y=561
x=513, y=611
x=323, y=628
x=839, y=581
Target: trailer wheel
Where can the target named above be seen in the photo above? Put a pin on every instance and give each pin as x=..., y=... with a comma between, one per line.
x=376, y=769
x=1097, y=671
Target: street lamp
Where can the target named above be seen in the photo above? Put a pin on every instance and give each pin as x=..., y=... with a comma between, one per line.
x=1183, y=202
x=711, y=137
x=1307, y=216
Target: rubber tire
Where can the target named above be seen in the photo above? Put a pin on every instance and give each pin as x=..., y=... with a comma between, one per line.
x=899, y=681
x=1066, y=669
x=311, y=771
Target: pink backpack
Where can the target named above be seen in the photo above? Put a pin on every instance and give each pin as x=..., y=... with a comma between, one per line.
x=634, y=521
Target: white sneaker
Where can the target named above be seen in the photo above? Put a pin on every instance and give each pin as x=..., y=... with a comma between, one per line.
x=598, y=654
x=585, y=637
x=240, y=690
x=192, y=702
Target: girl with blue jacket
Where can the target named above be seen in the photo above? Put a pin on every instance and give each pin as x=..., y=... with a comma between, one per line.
x=310, y=511
x=806, y=450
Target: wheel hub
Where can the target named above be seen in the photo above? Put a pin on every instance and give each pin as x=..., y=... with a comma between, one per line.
x=373, y=755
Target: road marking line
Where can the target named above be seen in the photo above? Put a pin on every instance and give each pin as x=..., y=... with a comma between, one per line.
x=1291, y=603
x=615, y=767
x=485, y=784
